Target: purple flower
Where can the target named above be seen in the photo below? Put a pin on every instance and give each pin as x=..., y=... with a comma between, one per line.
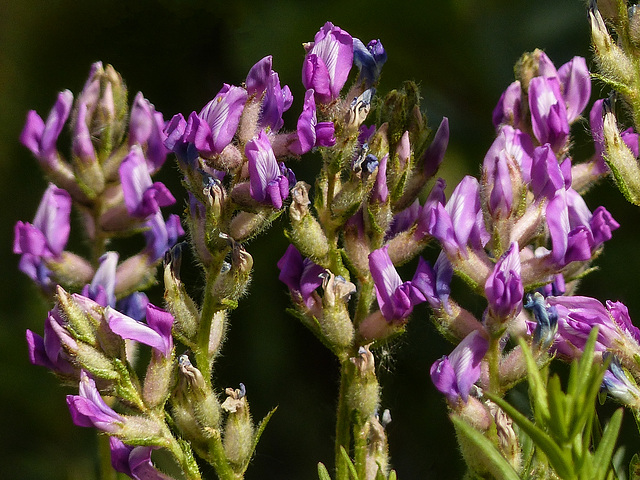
x=395, y=298
x=310, y=133
x=47, y=236
x=49, y=351
x=141, y=197
x=546, y=175
x=380, y=191
x=575, y=232
x=548, y=112
x=161, y=235
x=133, y=461
x=146, y=129
x=369, y=59
x=328, y=62
x=434, y=154
x=435, y=283
x=103, y=285
x=459, y=225
x=518, y=148
x=618, y=384
x=41, y=137
x=264, y=83
x=82, y=146
x=508, y=111
x=453, y=375
x=267, y=181
x=575, y=83
x=503, y=288
x=302, y=276
x=214, y=127
x=88, y=409
x=156, y=332
x=578, y=315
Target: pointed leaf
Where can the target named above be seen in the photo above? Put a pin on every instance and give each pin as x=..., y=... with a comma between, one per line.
x=560, y=460
x=256, y=438
x=537, y=386
x=323, y=474
x=602, y=456
x=352, y=469
x=557, y=410
x=495, y=462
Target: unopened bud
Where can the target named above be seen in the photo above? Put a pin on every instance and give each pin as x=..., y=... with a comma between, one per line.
x=238, y=430
x=336, y=325
x=306, y=232
x=621, y=160
x=364, y=393
x=609, y=55
x=178, y=302
x=70, y=270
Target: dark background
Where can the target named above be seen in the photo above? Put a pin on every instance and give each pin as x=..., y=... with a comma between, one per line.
x=179, y=52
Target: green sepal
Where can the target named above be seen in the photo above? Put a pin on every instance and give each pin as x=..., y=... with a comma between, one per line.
x=126, y=389
x=497, y=465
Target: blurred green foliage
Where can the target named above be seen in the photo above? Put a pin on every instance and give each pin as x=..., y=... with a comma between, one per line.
x=179, y=52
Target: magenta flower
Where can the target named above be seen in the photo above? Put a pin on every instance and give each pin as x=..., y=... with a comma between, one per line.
x=302, y=276
x=459, y=225
x=156, y=332
x=396, y=298
x=81, y=144
x=548, y=112
x=41, y=137
x=211, y=130
x=578, y=315
x=146, y=129
x=453, y=375
x=575, y=84
x=546, y=175
x=434, y=154
x=435, y=283
x=309, y=132
x=49, y=351
x=88, y=409
x=141, y=197
x=274, y=100
x=328, y=62
x=161, y=235
x=103, y=285
x=134, y=461
x=47, y=236
x=508, y=111
x=503, y=288
x=268, y=181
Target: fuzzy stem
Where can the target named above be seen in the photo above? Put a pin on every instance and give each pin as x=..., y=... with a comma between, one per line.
x=343, y=431
x=493, y=358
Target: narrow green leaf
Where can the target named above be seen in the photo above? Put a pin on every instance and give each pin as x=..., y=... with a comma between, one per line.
x=495, y=462
x=323, y=474
x=352, y=469
x=634, y=468
x=256, y=438
x=537, y=386
x=557, y=410
x=559, y=458
x=602, y=456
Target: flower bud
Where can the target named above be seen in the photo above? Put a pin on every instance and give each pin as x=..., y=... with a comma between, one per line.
x=238, y=430
x=621, y=160
x=364, y=393
x=178, y=301
x=336, y=325
x=609, y=55
x=306, y=232
x=234, y=278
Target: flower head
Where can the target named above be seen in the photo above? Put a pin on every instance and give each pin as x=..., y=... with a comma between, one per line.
x=156, y=332
x=328, y=62
x=504, y=289
x=454, y=374
x=88, y=409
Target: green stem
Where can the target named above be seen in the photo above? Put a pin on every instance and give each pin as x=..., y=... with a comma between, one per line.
x=218, y=459
x=365, y=299
x=360, y=447
x=209, y=307
x=493, y=358
x=343, y=431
